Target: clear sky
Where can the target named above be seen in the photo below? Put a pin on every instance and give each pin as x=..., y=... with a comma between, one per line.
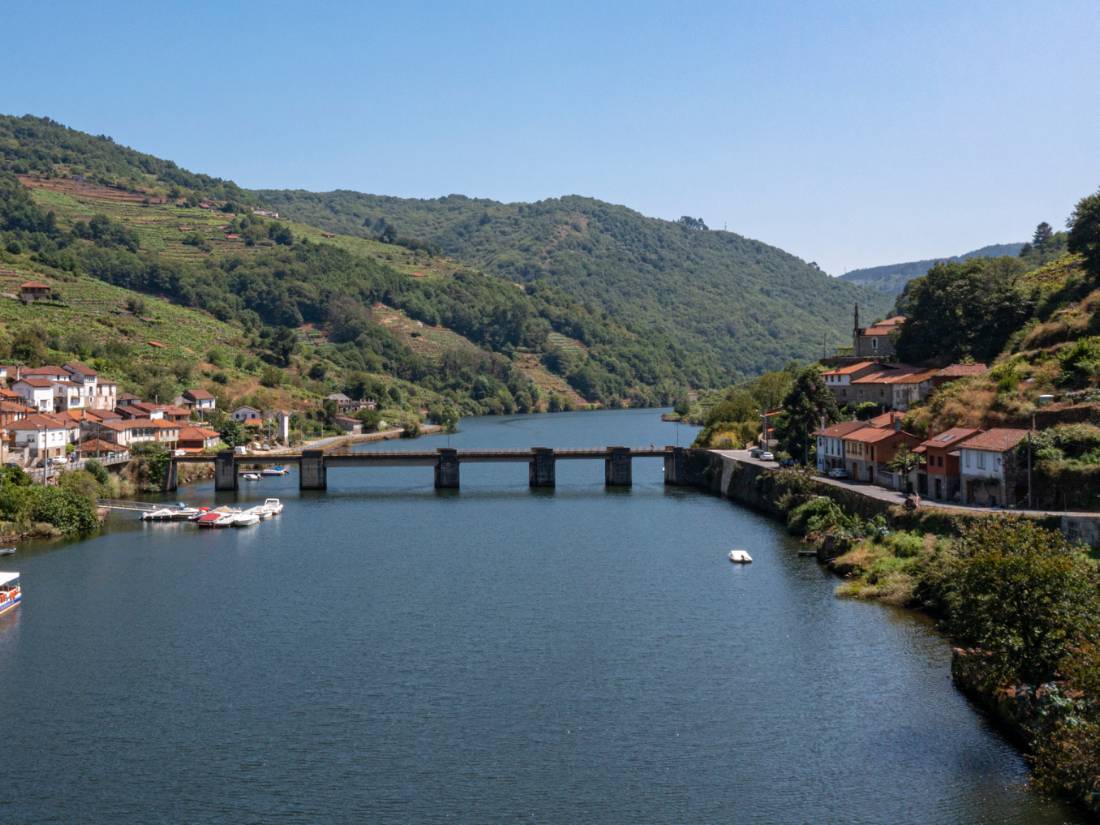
x=850, y=133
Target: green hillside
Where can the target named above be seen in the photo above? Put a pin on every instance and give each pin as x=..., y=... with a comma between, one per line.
x=892, y=278
x=736, y=305
x=315, y=305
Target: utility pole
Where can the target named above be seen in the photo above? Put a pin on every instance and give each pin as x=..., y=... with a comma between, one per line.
x=1029, y=432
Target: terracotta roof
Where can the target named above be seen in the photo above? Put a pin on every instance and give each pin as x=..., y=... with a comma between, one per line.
x=38, y=383
x=886, y=419
x=885, y=327
x=848, y=370
x=997, y=440
x=34, y=285
x=198, y=395
x=197, y=433
x=961, y=370
x=47, y=370
x=14, y=407
x=902, y=375
x=82, y=369
x=141, y=423
x=42, y=422
x=841, y=429
x=172, y=409
x=949, y=438
x=873, y=435
x=96, y=445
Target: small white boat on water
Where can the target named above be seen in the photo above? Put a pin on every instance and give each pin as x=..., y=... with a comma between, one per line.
x=277, y=470
x=7, y=551
x=250, y=476
x=248, y=518
x=181, y=512
x=740, y=557
x=11, y=593
x=271, y=507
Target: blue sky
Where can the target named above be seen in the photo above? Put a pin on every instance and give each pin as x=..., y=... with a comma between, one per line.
x=850, y=133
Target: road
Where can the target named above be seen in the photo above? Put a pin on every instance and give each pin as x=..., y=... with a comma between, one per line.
x=894, y=497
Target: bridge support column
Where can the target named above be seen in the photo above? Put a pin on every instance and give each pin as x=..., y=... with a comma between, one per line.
x=617, y=471
x=446, y=469
x=312, y=473
x=225, y=471
x=171, y=480
x=676, y=466
x=542, y=467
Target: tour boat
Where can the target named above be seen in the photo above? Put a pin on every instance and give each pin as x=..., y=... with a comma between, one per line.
x=740, y=557
x=246, y=519
x=272, y=506
x=10, y=592
x=250, y=476
x=277, y=470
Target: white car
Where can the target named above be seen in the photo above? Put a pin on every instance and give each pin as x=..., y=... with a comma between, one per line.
x=766, y=456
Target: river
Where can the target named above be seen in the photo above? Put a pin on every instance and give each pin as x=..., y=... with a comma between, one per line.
x=385, y=653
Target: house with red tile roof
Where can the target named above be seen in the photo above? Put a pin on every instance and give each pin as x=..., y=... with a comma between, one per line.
x=31, y=291
x=199, y=399
x=43, y=435
x=129, y=432
x=35, y=392
x=839, y=379
x=830, y=444
x=953, y=372
x=991, y=471
x=877, y=340
x=197, y=439
x=938, y=477
x=868, y=450
x=894, y=387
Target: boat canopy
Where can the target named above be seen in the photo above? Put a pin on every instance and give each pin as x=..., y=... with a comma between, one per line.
x=7, y=577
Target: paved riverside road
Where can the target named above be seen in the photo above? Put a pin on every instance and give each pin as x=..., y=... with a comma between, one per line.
x=893, y=497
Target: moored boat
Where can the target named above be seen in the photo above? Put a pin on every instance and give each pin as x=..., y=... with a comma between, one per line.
x=221, y=517
x=740, y=557
x=250, y=476
x=271, y=506
x=248, y=518
x=277, y=470
x=7, y=551
x=11, y=593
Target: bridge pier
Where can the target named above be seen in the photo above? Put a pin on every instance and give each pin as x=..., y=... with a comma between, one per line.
x=617, y=469
x=225, y=471
x=171, y=480
x=676, y=466
x=312, y=472
x=446, y=469
x=542, y=467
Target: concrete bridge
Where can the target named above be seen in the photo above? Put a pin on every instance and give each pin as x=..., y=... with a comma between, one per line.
x=313, y=465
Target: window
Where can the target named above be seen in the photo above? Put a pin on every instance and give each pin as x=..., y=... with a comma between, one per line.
x=981, y=461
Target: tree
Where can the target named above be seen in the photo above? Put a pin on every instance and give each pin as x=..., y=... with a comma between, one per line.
x=232, y=433
x=1025, y=596
x=1044, y=234
x=1084, y=232
x=807, y=405
x=904, y=462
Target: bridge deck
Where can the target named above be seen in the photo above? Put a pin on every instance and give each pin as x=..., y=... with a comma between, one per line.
x=414, y=458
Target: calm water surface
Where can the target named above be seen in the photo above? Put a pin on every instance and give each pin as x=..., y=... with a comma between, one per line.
x=384, y=653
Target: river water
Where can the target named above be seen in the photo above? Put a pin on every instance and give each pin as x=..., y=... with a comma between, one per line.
x=385, y=653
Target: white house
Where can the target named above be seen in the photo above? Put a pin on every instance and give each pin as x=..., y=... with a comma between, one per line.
x=45, y=435
x=141, y=431
x=35, y=392
x=199, y=400
x=830, y=444
x=67, y=395
x=989, y=472
x=245, y=414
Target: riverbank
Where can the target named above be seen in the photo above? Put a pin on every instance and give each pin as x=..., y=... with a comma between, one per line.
x=1015, y=594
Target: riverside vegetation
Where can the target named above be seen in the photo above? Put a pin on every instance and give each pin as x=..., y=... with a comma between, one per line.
x=1021, y=599
x=65, y=509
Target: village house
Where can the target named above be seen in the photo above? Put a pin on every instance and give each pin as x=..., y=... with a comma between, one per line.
x=197, y=439
x=125, y=400
x=12, y=411
x=830, y=444
x=867, y=451
x=990, y=471
x=127, y=433
x=348, y=424
x=96, y=393
x=839, y=380
x=938, y=477
x=141, y=409
x=198, y=399
x=173, y=413
x=249, y=416
x=67, y=395
x=43, y=436
x=343, y=403
x=893, y=387
x=32, y=291
x=877, y=340
x=97, y=448
x=35, y=392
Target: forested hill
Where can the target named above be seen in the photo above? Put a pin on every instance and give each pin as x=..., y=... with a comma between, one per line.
x=729, y=300
x=892, y=278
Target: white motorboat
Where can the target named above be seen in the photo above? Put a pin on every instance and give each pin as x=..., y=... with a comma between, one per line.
x=221, y=517
x=740, y=557
x=250, y=476
x=248, y=518
x=7, y=551
x=271, y=506
x=277, y=470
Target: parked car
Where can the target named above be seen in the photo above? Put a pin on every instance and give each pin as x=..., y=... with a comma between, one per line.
x=766, y=456
x=837, y=472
